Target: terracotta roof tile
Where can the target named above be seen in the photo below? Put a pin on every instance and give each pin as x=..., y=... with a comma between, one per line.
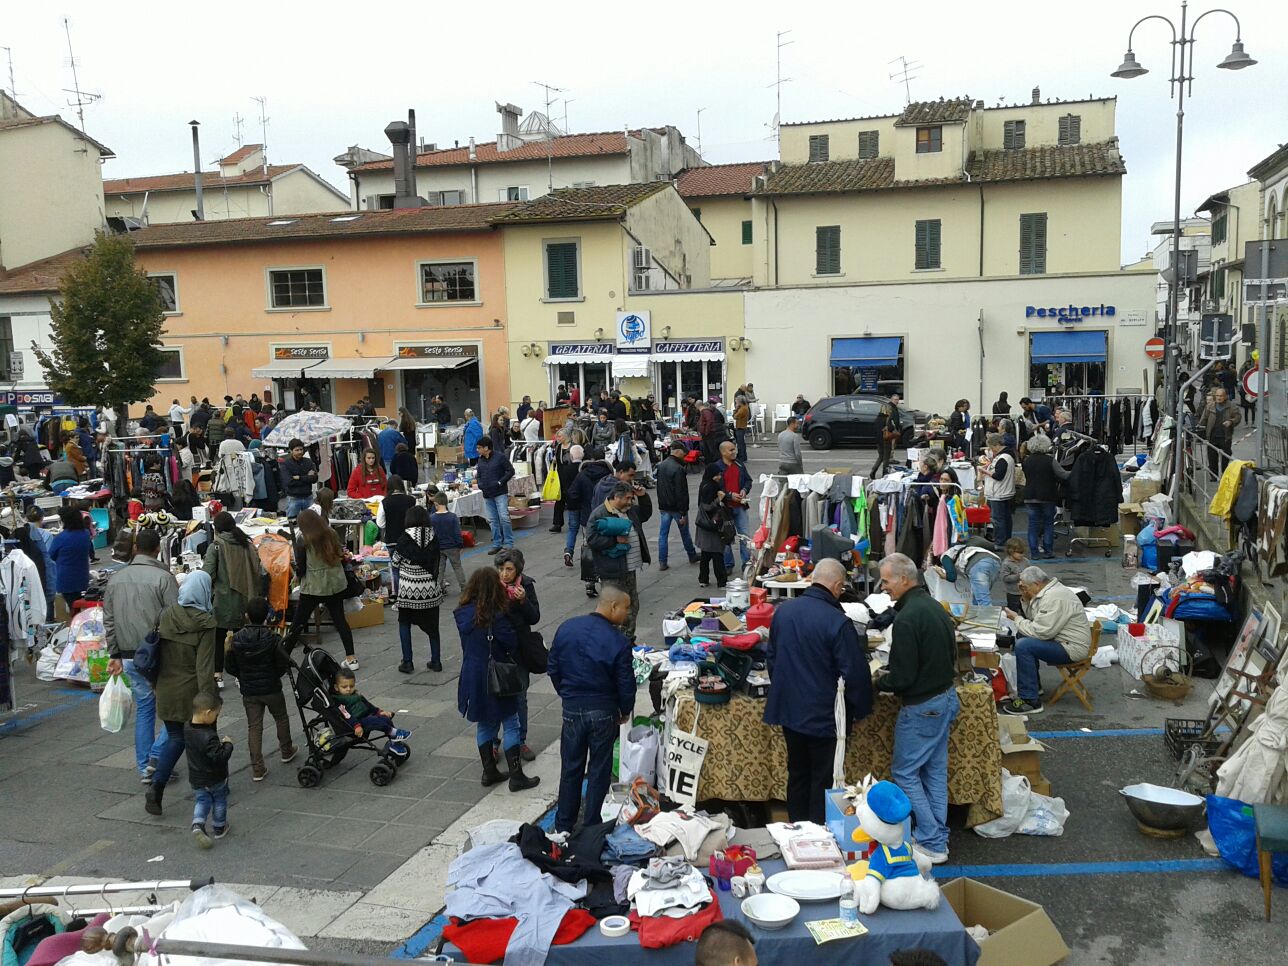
x=935, y=112
x=583, y=204
x=719, y=179
x=210, y=180
x=42, y=276
x=566, y=146
x=354, y=224
x=241, y=154
x=1050, y=161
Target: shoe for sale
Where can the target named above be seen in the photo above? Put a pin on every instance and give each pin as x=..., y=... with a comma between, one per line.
x=663, y=566
x=406, y=667
x=527, y=753
x=435, y=665
x=288, y=756
x=349, y=664
x=494, y=551
x=567, y=558
x=201, y=838
x=1021, y=707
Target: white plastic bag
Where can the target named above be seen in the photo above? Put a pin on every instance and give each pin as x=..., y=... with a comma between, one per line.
x=1045, y=816
x=639, y=754
x=1007, y=660
x=47, y=664
x=353, y=605
x=115, y=704
x=1016, y=795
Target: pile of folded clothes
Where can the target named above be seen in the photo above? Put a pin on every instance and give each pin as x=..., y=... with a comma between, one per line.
x=806, y=845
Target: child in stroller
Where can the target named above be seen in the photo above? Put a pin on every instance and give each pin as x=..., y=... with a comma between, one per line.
x=332, y=729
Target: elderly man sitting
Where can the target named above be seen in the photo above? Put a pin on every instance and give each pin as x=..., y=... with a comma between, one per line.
x=1055, y=631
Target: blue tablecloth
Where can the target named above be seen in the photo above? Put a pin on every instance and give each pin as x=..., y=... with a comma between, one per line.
x=888, y=931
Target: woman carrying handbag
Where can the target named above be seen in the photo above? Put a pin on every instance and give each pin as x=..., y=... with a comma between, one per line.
x=491, y=679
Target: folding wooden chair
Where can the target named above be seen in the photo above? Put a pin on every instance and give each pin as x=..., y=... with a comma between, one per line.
x=1072, y=673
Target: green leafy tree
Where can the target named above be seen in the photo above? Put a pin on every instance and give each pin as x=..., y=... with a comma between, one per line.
x=107, y=324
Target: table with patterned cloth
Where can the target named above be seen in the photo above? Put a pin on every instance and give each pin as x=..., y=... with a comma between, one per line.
x=469, y=505
x=747, y=759
x=522, y=485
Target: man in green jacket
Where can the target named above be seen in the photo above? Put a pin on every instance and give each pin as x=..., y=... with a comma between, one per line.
x=923, y=660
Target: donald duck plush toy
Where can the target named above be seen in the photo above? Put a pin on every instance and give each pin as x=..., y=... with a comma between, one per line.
x=897, y=875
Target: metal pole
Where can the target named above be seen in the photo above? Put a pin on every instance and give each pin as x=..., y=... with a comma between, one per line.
x=1263, y=344
x=196, y=169
x=263, y=954
x=1178, y=441
x=1174, y=292
x=105, y=888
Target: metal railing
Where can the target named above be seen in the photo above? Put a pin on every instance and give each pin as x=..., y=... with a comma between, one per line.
x=1201, y=465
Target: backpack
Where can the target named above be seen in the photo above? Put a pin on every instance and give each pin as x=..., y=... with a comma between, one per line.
x=147, y=657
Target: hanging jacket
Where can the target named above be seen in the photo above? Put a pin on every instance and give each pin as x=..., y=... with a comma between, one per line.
x=20, y=584
x=1095, y=487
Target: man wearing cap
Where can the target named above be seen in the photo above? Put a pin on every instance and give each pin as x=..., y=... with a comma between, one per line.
x=673, y=502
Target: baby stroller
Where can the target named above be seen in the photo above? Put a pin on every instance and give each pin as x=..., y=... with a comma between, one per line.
x=328, y=732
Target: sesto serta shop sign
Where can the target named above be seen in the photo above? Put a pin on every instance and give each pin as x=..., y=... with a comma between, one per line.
x=301, y=352
x=1069, y=314
x=437, y=351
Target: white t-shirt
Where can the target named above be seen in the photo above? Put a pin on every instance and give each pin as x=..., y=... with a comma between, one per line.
x=531, y=429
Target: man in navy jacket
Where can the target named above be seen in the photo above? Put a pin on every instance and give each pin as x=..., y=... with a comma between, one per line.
x=495, y=473
x=812, y=643
x=590, y=667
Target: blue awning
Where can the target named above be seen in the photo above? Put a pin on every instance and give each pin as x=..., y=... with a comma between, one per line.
x=1075, y=346
x=868, y=351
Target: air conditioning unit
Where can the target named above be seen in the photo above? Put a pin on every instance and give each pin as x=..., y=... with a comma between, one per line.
x=641, y=279
x=643, y=258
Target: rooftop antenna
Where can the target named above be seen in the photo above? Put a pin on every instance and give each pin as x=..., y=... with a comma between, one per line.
x=907, y=72
x=238, y=121
x=263, y=144
x=13, y=91
x=83, y=98
x=779, y=81
x=550, y=162
x=567, y=101
x=700, y=110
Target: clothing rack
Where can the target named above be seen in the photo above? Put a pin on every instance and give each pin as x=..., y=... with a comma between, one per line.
x=1082, y=408
x=103, y=888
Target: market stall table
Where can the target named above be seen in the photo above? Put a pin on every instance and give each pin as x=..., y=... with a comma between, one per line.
x=747, y=759
x=888, y=930
x=778, y=588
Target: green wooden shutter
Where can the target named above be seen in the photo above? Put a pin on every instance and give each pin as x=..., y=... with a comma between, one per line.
x=928, y=243
x=746, y=233
x=561, y=270
x=869, y=144
x=1033, y=243
x=828, y=250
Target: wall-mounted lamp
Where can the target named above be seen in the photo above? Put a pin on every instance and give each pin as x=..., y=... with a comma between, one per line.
x=599, y=335
x=497, y=323
x=531, y=351
x=666, y=332
x=362, y=336
x=223, y=339
x=739, y=342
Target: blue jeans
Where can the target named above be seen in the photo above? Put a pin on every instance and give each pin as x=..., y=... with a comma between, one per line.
x=523, y=717
x=497, y=509
x=212, y=803
x=920, y=765
x=1028, y=651
x=983, y=574
x=1041, y=528
x=147, y=743
x=740, y=441
x=294, y=504
x=573, y=519
x=586, y=752
x=741, y=523
x=171, y=742
x=664, y=534
x=485, y=732
x=1002, y=529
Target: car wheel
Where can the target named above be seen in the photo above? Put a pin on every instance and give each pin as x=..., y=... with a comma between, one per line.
x=820, y=439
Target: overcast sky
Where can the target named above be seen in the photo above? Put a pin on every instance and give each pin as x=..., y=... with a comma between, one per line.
x=335, y=73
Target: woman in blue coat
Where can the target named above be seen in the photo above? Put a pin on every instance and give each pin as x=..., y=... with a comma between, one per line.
x=473, y=433
x=70, y=551
x=486, y=632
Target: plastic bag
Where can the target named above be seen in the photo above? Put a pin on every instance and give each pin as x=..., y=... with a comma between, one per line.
x=1235, y=833
x=353, y=605
x=551, y=489
x=639, y=754
x=216, y=914
x=47, y=664
x=1007, y=661
x=1045, y=816
x=1016, y=795
x=115, y=704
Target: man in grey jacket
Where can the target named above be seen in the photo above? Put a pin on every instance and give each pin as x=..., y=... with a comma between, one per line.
x=135, y=597
x=790, y=459
x=1055, y=631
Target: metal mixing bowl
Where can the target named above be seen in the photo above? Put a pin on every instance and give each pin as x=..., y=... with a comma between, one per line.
x=1164, y=809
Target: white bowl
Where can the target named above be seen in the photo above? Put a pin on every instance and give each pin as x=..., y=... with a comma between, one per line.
x=769, y=910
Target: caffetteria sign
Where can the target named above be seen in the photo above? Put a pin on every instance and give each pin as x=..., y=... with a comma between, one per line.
x=1069, y=313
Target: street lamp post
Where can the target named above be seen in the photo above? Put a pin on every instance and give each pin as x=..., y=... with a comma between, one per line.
x=1182, y=74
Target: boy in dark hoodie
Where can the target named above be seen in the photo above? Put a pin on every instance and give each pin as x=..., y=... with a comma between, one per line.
x=255, y=657
x=208, y=755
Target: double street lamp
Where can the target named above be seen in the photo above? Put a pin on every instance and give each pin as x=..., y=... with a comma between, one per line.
x=1182, y=74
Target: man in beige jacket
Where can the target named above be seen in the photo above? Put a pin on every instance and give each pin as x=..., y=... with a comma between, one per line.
x=1056, y=632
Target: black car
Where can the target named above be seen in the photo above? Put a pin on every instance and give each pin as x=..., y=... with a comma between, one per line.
x=855, y=419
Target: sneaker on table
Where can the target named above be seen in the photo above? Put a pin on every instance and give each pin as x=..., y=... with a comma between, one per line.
x=1019, y=706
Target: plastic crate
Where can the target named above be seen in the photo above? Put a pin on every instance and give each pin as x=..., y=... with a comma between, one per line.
x=1181, y=734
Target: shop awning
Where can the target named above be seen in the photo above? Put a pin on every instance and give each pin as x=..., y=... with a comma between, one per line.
x=632, y=365
x=1073, y=346
x=693, y=350
x=427, y=362
x=284, y=368
x=576, y=358
x=866, y=352
x=355, y=367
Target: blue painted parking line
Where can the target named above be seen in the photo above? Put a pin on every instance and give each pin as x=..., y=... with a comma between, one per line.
x=1151, y=867
x=21, y=721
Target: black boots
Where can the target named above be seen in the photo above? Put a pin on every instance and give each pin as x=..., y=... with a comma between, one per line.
x=152, y=800
x=518, y=780
x=491, y=774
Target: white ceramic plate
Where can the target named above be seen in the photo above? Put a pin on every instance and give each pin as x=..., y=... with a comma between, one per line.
x=807, y=885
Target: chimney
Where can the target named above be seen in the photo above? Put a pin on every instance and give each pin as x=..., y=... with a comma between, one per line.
x=979, y=105
x=399, y=134
x=200, y=211
x=474, y=154
x=509, y=136
x=411, y=151
x=1037, y=95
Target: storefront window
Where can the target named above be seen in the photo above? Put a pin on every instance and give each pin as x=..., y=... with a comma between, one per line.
x=701, y=379
x=883, y=379
x=1068, y=378
x=459, y=388
x=294, y=392
x=590, y=377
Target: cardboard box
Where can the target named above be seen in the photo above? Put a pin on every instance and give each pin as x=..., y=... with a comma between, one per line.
x=1142, y=490
x=444, y=455
x=1041, y=785
x=987, y=659
x=1113, y=535
x=1020, y=932
x=1130, y=518
x=371, y=615
x=1021, y=755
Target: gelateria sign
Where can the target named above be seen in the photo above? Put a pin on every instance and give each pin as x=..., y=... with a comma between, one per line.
x=1069, y=314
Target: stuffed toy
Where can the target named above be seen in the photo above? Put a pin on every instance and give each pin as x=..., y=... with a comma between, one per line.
x=898, y=875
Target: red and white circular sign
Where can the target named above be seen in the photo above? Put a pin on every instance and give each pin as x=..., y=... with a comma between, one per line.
x=1254, y=381
x=1156, y=348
